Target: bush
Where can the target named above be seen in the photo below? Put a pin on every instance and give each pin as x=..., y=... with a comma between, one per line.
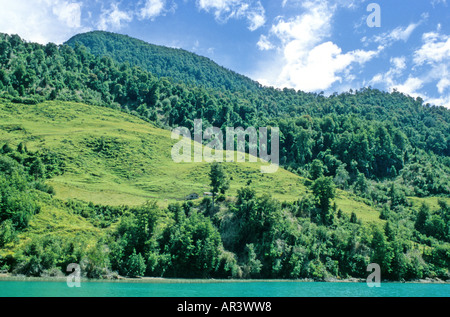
x=7, y=232
x=136, y=265
x=41, y=186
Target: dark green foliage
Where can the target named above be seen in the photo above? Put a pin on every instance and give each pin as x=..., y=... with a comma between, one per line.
x=317, y=169
x=100, y=216
x=324, y=190
x=21, y=173
x=351, y=134
x=422, y=217
x=219, y=181
x=17, y=202
x=383, y=147
x=177, y=64
x=353, y=218
x=189, y=247
x=37, y=169
x=7, y=232
x=48, y=256
x=382, y=253
x=437, y=224
x=135, y=266
x=194, y=247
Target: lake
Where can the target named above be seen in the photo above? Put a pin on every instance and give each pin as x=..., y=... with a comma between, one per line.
x=224, y=289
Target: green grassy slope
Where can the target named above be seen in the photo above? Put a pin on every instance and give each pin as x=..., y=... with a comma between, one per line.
x=113, y=158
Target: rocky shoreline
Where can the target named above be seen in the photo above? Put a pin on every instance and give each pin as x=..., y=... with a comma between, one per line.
x=155, y=280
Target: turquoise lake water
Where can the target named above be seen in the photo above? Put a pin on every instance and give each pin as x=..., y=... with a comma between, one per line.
x=250, y=289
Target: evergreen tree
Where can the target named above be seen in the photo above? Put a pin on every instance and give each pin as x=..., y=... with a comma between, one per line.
x=324, y=190
x=317, y=169
x=135, y=265
x=422, y=217
x=218, y=180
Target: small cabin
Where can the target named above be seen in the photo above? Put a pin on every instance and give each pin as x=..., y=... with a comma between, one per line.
x=207, y=194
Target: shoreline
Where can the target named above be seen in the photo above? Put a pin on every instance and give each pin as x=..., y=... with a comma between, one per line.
x=160, y=280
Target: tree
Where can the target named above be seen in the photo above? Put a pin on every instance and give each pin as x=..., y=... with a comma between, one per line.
x=304, y=144
x=422, y=217
x=397, y=197
x=342, y=177
x=361, y=185
x=193, y=247
x=7, y=232
x=153, y=95
x=324, y=190
x=316, y=169
x=353, y=218
x=219, y=181
x=382, y=252
x=37, y=169
x=136, y=265
x=253, y=266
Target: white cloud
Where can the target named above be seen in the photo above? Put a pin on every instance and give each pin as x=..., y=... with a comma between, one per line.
x=256, y=17
x=430, y=67
x=400, y=33
x=264, y=43
x=113, y=18
x=41, y=21
x=443, y=84
x=395, y=35
x=318, y=69
x=399, y=63
x=68, y=13
x=307, y=29
x=322, y=67
x=436, y=2
x=429, y=64
x=413, y=87
x=310, y=62
x=410, y=86
x=389, y=79
x=436, y=48
x=432, y=60
x=440, y=101
x=152, y=9
x=223, y=10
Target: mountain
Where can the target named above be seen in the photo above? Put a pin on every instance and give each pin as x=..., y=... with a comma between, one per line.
x=177, y=64
x=86, y=175
x=118, y=159
x=110, y=160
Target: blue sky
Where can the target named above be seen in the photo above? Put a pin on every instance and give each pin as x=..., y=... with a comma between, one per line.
x=308, y=45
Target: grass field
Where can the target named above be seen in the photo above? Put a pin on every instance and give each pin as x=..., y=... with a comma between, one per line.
x=113, y=158
x=432, y=202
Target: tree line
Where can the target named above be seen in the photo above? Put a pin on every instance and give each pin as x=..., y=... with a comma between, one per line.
x=248, y=236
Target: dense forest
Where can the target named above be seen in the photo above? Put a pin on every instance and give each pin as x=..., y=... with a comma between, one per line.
x=180, y=65
x=383, y=147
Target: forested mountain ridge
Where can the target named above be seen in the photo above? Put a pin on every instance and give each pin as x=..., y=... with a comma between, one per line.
x=388, y=150
x=368, y=132
x=99, y=153
x=176, y=64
